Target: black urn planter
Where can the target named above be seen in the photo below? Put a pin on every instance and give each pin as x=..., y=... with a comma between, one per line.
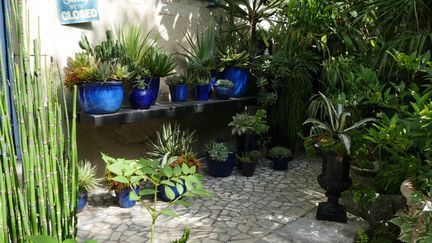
x=248, y=169
x=335, y=180
x=281, y=163
x=246, y=143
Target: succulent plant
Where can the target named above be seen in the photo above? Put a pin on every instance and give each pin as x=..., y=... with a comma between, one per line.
x=218, y=151
x=225, y=83
x=250, y=157
x=279, y=152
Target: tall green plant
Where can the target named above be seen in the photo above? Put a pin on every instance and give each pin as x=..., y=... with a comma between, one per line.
x=43, y=200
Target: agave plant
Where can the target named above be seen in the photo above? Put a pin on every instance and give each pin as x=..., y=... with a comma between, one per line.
x=338, y=123
x=159, y=63
x=87, y=180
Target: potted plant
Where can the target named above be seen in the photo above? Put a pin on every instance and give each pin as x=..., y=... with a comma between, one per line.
x=334, y=143
x=234, y=68
x=247, y=128
x=122, y=176
x=160, y=64
x=179, y=88
x=87, y=181
x=220, y=161
x=249, y=161
x=202, y=88
x=224, y=89
x=98, y=73
x=280, y=157
x=141, y=96
x=190, y=160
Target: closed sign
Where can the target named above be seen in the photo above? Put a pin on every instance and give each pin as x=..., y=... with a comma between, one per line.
x=77, y=11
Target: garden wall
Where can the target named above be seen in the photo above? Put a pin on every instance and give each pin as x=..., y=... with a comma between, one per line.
x=171, y=18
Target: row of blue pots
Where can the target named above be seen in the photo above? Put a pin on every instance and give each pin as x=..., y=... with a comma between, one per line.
x=107, y=97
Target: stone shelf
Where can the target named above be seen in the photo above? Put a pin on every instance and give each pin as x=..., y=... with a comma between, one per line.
x=164, y=109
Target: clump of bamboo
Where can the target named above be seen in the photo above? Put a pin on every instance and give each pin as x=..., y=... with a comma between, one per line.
x=43, y=199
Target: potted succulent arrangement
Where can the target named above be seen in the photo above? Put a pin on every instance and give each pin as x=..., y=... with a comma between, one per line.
x=280, y=157
x=160, y=64
x=249, y=161
x=179, y=88
x=99, y=74
x=234, y=68
x=335, y=144
x=224, y=89
x=247, y=128
x=122, y=176
x=87, y=182
x=202, y=88
x=220, y=161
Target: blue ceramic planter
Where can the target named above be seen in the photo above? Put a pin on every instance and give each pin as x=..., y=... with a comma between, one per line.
x=82, y=201
x=213, y=80
x=123, y=198
x=179, y=92
x=221, y=168
x=162, y=195
x=202, y=92
x=240, y=78
x=141, y=98
x=223, y=93
x=101, y=97
x=153, y=84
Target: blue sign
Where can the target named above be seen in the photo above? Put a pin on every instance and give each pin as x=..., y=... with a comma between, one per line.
x=77, y=11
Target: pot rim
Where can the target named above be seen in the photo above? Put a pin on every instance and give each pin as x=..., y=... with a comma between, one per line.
x=102, y=83
x=375, y=168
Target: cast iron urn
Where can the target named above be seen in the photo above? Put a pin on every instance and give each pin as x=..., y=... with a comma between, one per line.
x=335, y=180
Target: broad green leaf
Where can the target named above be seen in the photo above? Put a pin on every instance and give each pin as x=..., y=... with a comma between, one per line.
x=133, y=196
x=177, y=170
x=135, y=179
x=146, y=192
x=183, y=203
x=177, y=180
x=147, y=170
x=70, y=241
x=188, y=184
x=169, y=193
x=116, y=168
x=185, y=169
x=180, y=189
x=121, y=179
x=168, y=183
x=192, y=169
x=42, y=239
x=129, y=172
x=167, y=171
x=169, y=212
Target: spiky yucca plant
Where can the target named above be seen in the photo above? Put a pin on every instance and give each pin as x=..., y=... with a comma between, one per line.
x=337, y=127
x=87, y=180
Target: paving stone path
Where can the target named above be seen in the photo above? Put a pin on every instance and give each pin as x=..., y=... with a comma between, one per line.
x=241, y=209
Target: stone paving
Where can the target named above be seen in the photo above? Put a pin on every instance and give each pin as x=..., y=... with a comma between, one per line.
x=241, y=209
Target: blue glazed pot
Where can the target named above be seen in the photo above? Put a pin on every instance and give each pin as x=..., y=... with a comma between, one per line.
x=101, y=97
x=224, y=93
x=221, y=168
x=82, y=201
x=153, y=84
x=179, y=92
x=213, y=80
x=123, y=198
x=141, y=98
x=202, y=92
x=162, y=195
x=240, y=78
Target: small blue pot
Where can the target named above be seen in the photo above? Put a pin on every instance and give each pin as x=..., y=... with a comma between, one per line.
x=202, y=92
x=223, y=93
x=82, y=201
x=240, y=78
x=162, y=195
x=141, y=98
x=153, y=84
x=221, y=168
x=101, y=97
x=123, y=199
x=179, y=92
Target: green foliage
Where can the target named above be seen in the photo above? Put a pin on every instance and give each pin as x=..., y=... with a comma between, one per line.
x=87, y=180
x=171, y=139
x=336, y=128
x=231, y=58
x=225, y=83
x=201, y=56
x=361, y=237
x=244, y=123
x=48, y=239
x=184, y=238
x=202, y=80
x=250, y=157
x=280, y=152
x=158, y=62
x=218, y=151
x=178, y=79
x=121, y=173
